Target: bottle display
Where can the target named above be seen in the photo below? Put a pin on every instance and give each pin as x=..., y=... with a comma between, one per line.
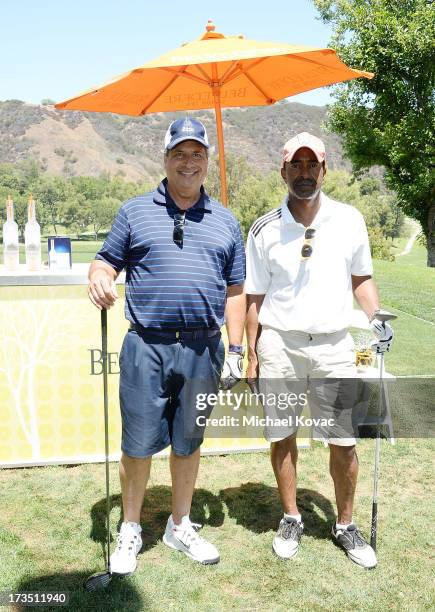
x=11, y=252
x=32, y=238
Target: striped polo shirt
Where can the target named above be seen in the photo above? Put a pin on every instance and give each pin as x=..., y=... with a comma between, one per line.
x=169, y=286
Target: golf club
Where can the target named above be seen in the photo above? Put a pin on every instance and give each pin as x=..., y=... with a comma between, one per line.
x=382, y=316
x=101, y=580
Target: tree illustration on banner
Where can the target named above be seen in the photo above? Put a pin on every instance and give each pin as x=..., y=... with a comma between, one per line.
x=33, y=335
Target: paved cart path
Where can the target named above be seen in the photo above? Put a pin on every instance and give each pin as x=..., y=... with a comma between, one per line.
x=410, y=243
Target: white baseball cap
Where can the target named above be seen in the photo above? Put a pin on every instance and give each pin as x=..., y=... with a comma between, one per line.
x=304, y=139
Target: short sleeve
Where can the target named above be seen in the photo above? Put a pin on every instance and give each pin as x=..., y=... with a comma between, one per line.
x=116, y=246
x=361, y=260
x=235, y=269
x=257, y=271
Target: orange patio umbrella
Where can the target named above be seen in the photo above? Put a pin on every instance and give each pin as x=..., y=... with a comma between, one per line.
x=216, y=71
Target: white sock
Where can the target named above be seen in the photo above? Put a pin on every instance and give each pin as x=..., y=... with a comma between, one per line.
x=296, y=517
x=184, y=519
x=134, y=525
x=341, y=526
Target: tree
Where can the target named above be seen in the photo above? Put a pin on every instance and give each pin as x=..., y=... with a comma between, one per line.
x=92, y=187
x=120, y=189
x=377, y=205
x=29, y=172
x=20, y=181
x=20, y=214
x=75, y=212
x=102, y=213
x=389, y=120
x=258, y=195
x=8, y=178
x=51, y=191
x=238, y=171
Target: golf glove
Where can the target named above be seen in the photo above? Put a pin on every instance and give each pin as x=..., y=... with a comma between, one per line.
x=232, y=371
x=384, y=336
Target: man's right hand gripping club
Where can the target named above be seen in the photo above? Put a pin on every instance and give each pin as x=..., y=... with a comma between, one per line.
x=102, y=289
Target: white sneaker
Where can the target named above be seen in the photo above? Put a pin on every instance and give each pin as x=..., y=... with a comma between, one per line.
x=184, y=538
x=286, y=541
x=129, y=542
x=353, y=542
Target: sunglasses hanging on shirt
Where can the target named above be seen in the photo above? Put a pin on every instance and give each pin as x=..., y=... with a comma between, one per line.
x=178, y=233
x=307, y=249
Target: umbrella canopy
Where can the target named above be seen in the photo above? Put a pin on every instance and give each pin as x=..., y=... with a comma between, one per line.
x=216, y=71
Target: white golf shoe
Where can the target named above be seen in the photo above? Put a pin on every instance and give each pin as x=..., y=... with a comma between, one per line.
x=286, y=541
x=353, y=542
x=184, y=537
x=129, y=542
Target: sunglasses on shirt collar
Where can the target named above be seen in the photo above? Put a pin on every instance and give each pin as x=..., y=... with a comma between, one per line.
x=307, y=249
x=178, y=233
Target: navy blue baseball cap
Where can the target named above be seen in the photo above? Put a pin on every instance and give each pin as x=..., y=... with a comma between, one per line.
x=185, y=129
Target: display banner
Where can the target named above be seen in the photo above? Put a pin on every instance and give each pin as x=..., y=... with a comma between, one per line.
x=51, y=387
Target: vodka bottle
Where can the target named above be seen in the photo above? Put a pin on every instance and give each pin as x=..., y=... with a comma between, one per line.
x=11, y=252
x=32, y=238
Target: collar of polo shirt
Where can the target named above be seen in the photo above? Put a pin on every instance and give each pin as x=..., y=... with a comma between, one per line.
x=163, y=198
x=323, y=213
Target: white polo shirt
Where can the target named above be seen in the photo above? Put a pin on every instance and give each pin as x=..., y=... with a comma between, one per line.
x=312, y=295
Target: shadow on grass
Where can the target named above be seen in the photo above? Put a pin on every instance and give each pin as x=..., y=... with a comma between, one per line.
x=120, y=595
x=207, y=508
x=89, y=237
x=257, y=507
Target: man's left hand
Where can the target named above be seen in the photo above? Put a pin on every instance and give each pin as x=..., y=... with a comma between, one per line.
x=232, y=371
x=384, y=334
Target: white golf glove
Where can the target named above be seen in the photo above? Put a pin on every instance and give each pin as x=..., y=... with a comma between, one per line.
x=232, y=371
x=384, y=334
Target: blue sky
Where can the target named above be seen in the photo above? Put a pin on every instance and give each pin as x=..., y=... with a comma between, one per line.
x=57, y=48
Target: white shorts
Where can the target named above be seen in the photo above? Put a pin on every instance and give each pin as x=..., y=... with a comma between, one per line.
x=290, y=362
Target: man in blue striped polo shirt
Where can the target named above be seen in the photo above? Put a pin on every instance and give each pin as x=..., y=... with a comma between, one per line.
x=185, y=268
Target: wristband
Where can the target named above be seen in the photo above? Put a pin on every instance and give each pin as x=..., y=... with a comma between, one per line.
x=236, y=348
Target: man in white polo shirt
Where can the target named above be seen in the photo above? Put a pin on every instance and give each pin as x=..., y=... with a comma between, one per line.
x=304, y=261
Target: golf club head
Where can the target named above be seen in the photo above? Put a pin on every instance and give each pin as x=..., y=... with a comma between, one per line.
x=384, y=315
x=371, y=431
x=98, y=581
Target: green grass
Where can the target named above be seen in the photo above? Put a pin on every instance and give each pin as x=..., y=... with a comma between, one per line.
x=398, y=244
x=52, y=519
x=417, y=256
x=407, y=288
x=52, y=533
x=83, y=251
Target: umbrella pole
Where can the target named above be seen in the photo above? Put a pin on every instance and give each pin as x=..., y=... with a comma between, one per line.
x=220, y=137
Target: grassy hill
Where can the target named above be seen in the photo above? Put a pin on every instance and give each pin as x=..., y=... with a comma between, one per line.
x=80, y=143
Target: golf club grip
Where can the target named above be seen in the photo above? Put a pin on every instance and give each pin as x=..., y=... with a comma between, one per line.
x=374, y=526
x=374, y=529
x=106, y=428
x=103, y=333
